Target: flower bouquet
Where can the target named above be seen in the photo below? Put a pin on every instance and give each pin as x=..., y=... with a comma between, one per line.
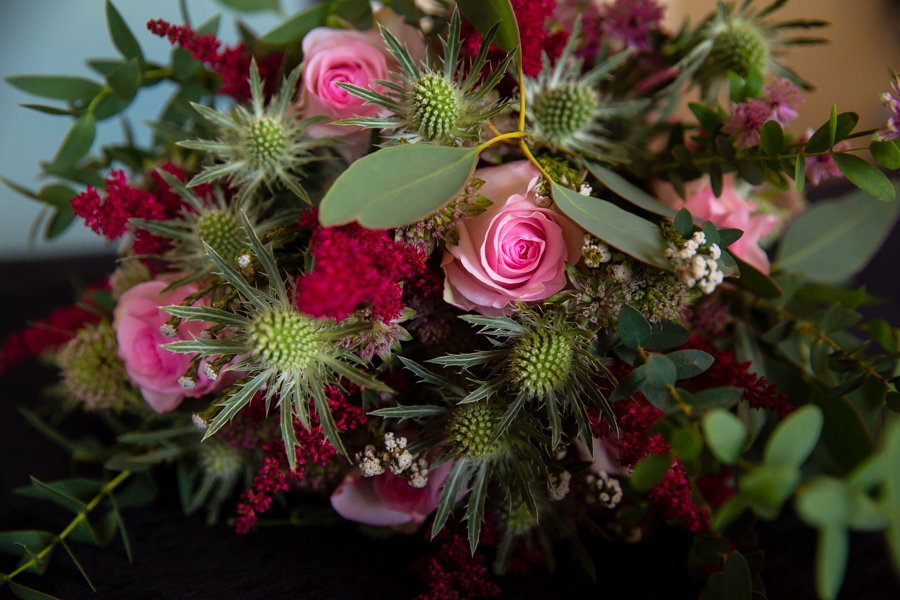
x=508, y=273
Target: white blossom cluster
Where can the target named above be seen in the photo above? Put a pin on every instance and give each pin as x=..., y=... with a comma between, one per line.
x=697, y=265
x=585, y=189
x=559, y=486
x=394, y=457
x=595, y=252
x=418, y=473
x=609, y=490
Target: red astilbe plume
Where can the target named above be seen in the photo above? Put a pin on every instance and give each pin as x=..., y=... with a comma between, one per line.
x=312, y=448
x=634, y=416
x=50, y=333
x=454, y=572
x=232, y=63
x=727, y=371
x=530, y=16
x=355, y=266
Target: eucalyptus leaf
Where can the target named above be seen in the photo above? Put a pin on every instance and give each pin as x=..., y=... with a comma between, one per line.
x=296, y=28
x=634, y=329
x=667, y=334
x=794, y=439
x=60, y=87
x=121, y=35
x=125, y=79
x=650, y=472
x=771, y=138
x=865, y=176
x=250, y=6
x=831, y=561
x=627, y=190
x=835, y=239
x=398, y=185
x=77, y=142
x=886, y=153
x=627, y=232
x=725, y=434
x=484, y=14
x=690, y=363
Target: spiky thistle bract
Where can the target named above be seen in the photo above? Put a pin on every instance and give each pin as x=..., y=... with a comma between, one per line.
x=741, y=40
x=511, y=461
x=437, y=104
x=260, y=146
x=537, y=357
x=566, y=108
x=293, y=356
x=215, y=222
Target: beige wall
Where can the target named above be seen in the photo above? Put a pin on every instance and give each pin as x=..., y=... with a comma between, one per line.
x=851, y=71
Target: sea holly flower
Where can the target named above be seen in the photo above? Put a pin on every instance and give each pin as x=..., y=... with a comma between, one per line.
x=743, y=40
x=566, y=109
x=292, y=356
x=213, y=221
x=537, y=357
x=439, y=104
x=261, y=146
x=93, y=372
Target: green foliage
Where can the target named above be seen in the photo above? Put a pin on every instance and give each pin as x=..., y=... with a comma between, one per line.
x=650, y=472
x=725, y=434
x=251, y=6
x=795, y=438
x=835, y=239
x=295, y=28
x=429, y=178
x=622, y=230
x=484, y=14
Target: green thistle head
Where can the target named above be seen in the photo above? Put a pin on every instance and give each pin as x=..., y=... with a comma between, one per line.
x=284, y=339
x=212, y=222
x=741, y=47
x=541, y=362
x=445, y=103
x=472, y=428
x=92, y=369
x=261, y=146
x=537, y=357
x=567, y=110
x=220, y=229
x=266, y=143
x=435, y=106
x=291, y=356
x=220, y=460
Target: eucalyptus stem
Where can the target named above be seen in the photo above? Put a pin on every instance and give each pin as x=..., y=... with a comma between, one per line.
x=81, y=516
x=808, y=328
x=762, y=158
x=103, y=93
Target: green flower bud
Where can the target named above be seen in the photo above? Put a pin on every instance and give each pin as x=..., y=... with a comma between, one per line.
x=219, y=459
x=472, y=427
x=741, y=47
x=221, y=230
x=284, y=339
x=566, y=110
x=542, y=362
x=266, y=143
x=92, y=369
x=436, y=106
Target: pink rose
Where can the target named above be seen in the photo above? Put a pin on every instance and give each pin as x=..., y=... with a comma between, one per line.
x=155, y=370
x=605, y=456
x=332, y=56
x=728, y=210
x=388, y=500
x=514, y=251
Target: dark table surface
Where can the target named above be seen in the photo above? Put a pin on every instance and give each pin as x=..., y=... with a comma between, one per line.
x=180, y=558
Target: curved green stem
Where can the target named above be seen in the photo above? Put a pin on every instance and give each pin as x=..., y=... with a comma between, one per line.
x=81, y=516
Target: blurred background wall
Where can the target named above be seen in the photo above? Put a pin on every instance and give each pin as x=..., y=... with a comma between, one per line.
x=56, y=36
